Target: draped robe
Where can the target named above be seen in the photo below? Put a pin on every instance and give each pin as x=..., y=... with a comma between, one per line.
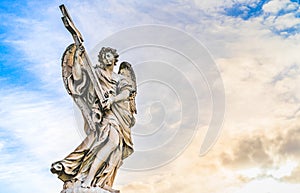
x=77, y=164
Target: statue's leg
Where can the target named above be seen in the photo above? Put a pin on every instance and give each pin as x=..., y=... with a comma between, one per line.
x=111, y=144
x=61, y=165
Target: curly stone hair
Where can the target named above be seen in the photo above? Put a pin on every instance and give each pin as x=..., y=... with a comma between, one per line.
x=106, y=50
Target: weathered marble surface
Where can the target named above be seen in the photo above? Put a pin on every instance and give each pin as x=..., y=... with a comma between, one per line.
x=107, y=102
x=85, y=190
x=70, y=187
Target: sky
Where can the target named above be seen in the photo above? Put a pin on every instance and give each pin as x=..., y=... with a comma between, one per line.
x=218, y=75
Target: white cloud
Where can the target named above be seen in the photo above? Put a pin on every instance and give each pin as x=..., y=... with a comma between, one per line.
x=268, y=185
x=275, y=6
x=286, y=21
x=36, y=130
x=285, y=169
x=1, y=145
x=281, y=15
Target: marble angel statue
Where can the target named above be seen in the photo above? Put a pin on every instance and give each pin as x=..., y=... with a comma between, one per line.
x=107, y=102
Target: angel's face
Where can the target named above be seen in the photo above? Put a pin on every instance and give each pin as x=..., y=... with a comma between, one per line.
x=108, y=59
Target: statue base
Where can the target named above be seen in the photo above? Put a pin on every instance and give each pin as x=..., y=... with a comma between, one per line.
x=85, y=190
x=70, y=187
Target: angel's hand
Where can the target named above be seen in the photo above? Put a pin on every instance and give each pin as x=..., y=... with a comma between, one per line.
x=79, y=50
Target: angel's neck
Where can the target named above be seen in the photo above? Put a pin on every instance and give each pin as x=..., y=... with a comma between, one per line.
x=110, y=70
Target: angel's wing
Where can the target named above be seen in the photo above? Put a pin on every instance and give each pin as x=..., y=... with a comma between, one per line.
x=126, y=70
x=82, y=90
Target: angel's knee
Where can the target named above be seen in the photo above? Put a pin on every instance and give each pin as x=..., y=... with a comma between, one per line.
x=113, y=140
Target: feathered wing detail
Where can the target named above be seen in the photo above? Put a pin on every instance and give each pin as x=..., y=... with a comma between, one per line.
x=66, y=64
x=132, y=78
x=133, y=93
x=81, y=90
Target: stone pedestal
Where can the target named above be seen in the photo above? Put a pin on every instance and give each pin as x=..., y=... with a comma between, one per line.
x=75, y=187
x=84, y=190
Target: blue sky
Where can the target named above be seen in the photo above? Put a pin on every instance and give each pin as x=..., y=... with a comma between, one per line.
x=248, y=11
x=7, y=50
x=255, y=45
x=17, y=19
x=245, y=11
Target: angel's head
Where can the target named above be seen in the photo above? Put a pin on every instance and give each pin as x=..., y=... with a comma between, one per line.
x=108, y=57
